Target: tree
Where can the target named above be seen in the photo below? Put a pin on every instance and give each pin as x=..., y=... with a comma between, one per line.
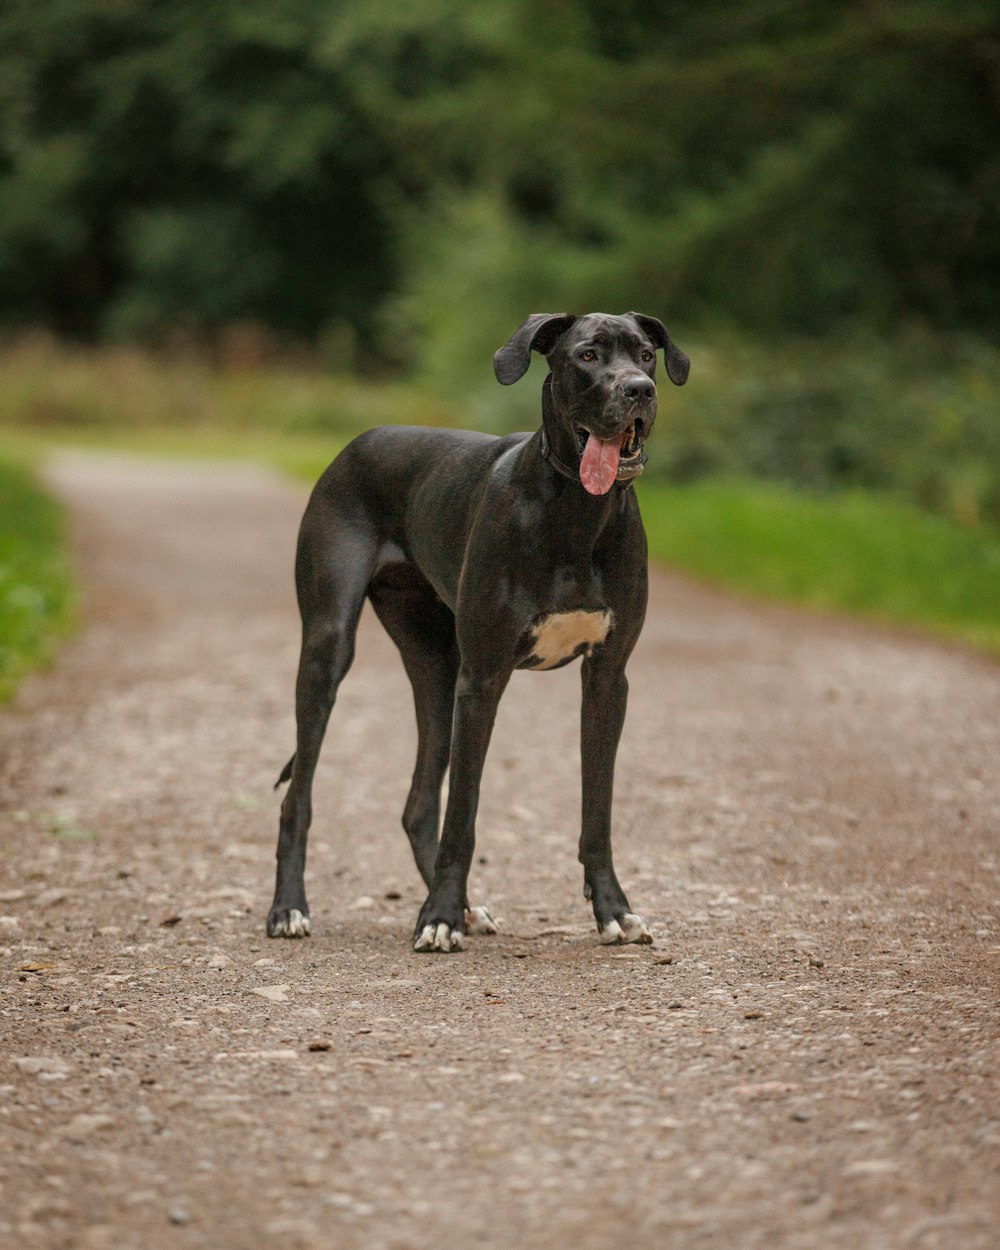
x=783, y=165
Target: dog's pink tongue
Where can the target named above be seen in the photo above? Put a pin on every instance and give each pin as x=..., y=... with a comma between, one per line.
x=599, y=464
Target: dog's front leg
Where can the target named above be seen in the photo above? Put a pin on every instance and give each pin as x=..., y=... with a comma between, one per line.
x=441, y=923
x=605, y=695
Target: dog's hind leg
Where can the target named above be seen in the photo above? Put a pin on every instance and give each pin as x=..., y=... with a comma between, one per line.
x=334, y=565
x=423, y=629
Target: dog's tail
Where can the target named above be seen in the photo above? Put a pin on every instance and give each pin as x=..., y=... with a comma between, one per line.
x=286, y=774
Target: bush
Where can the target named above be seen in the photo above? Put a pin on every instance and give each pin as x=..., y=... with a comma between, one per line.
x=918, y=418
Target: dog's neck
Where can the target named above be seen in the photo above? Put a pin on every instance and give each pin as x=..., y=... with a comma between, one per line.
x=558, y=444
x=558, y=441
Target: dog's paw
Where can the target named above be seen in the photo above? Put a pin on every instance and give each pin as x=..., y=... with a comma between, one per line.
x=439, y=937
x=287, y=922
x=627, y=928
x=479, y=920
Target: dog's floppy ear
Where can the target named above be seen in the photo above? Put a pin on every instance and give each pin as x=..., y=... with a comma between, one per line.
x=539, y=333
x=677, y=363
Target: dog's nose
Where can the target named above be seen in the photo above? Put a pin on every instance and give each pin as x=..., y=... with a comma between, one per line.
x=638, y=387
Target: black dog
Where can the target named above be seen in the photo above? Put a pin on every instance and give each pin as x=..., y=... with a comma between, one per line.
x=481, y=555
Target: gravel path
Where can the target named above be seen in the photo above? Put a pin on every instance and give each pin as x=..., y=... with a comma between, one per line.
x=807, y=813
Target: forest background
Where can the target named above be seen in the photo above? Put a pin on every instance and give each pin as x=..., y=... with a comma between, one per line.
x=292, y=219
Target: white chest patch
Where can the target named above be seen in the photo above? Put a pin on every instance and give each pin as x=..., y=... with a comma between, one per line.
x=564, y=634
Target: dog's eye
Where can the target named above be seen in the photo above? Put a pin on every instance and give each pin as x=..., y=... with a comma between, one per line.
x=588, y=356
x=647, y=355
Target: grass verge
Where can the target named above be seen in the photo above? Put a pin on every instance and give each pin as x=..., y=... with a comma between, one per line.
x=854, y=553
x=36, y=588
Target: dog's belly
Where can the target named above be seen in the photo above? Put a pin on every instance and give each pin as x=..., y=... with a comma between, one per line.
x=562, y=636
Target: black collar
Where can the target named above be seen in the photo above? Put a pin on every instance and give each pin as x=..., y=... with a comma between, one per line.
x=548, y=454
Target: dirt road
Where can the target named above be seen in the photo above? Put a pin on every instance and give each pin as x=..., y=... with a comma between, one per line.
x=808, y=814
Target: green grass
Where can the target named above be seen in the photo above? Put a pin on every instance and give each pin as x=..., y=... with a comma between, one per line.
x=36, y=596
x=855, y=553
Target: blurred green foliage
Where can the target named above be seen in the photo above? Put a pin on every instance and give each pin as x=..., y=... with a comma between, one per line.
x=427, y=173
x=809, y=195
x=918, y=417
x=180, y=164
x=56, y=388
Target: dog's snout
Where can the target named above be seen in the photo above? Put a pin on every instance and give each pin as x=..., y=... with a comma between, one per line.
x=638, y=387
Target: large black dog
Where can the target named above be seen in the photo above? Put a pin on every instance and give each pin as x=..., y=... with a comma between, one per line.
x=481, y=555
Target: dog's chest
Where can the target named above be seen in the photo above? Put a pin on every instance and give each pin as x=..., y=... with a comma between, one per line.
x=562, y=636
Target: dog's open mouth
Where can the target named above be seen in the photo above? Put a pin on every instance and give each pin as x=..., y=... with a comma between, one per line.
x=606, y=461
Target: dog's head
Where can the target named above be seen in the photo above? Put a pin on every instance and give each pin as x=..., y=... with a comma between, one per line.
x=603, y=371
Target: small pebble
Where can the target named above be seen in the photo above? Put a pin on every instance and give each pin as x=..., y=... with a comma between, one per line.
x=274, y=993
x=83, y=1126
x=43, y=1065
x=49, y=898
